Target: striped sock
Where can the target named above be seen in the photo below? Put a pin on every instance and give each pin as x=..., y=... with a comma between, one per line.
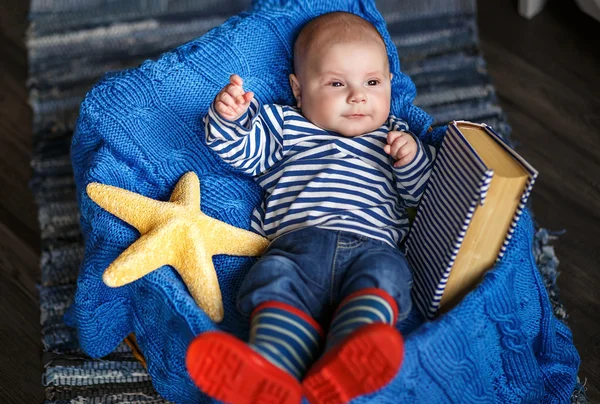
x=285, y=336
x=365, y=306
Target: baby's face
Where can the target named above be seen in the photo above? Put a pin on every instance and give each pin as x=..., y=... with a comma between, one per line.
x=345, y=88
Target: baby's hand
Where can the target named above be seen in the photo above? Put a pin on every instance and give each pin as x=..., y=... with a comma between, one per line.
x=402, y=147
x=233, y=102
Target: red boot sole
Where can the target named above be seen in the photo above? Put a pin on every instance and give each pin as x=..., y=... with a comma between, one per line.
x=229, y=370
x=362, y=363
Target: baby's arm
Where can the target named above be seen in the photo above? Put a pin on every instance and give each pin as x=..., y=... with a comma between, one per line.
x=413, y=162
x=243, y=133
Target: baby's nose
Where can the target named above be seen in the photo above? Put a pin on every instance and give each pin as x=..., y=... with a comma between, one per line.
x=357, y=96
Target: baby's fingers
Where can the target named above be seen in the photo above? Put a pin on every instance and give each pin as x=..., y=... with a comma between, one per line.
x=236, y=80
x=393, y=135
x=396, y=145
x=234, y=91
x=391, y=148
x=244, y=99
x=224, y=110
x=227, y=99
x=242, y=102
x=248, y=96
x=405, y=155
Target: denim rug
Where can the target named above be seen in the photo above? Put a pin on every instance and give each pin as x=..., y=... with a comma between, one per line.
x=71, y=43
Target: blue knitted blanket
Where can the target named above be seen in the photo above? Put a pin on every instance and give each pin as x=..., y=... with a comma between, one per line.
x=142, y=129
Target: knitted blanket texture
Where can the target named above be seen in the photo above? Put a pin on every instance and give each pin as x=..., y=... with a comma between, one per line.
x=142, y=129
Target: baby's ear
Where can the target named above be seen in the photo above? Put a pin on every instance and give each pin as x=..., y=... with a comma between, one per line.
x=296, y=90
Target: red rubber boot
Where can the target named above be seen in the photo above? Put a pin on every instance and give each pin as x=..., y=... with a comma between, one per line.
x=229, y=370
x=362, y=363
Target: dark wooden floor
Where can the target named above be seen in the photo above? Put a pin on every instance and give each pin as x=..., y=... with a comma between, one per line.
x=547, y=73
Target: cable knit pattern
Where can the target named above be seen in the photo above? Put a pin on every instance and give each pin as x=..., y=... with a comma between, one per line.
x=142, y=129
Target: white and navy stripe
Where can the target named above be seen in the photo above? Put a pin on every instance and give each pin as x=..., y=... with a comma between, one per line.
x=313, y=177
x=459, y=182
x=285, y=336
x=366, y=306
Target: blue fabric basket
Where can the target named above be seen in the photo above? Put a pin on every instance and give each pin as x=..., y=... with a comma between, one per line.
x=142, y=130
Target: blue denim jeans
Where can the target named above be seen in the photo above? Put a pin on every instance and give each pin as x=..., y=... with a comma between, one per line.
x=313, y=269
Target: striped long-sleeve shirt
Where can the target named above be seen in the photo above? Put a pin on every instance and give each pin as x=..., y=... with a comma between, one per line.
x=314, y=177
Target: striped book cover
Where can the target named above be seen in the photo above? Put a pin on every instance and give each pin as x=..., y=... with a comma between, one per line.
x=466, y=218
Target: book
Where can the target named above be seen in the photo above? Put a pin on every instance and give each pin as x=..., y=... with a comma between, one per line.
x=476, y=193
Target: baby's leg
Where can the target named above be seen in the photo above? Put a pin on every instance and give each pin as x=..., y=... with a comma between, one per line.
x=364, y=350
x=285, y=336
x=379, y=280
x=283, y=342
x=282, y=293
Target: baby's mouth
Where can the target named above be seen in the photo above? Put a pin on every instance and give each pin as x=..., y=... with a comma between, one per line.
x=355, y=116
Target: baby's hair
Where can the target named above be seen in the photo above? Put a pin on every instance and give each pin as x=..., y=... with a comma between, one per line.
x=336, y=27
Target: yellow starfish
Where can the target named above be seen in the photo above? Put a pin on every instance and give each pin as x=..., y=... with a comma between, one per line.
x=174, y=233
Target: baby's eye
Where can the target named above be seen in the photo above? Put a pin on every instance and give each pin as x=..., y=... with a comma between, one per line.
x=372, y=82
x=336, y=84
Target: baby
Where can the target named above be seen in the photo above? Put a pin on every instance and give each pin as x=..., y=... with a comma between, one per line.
x=338, y=172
